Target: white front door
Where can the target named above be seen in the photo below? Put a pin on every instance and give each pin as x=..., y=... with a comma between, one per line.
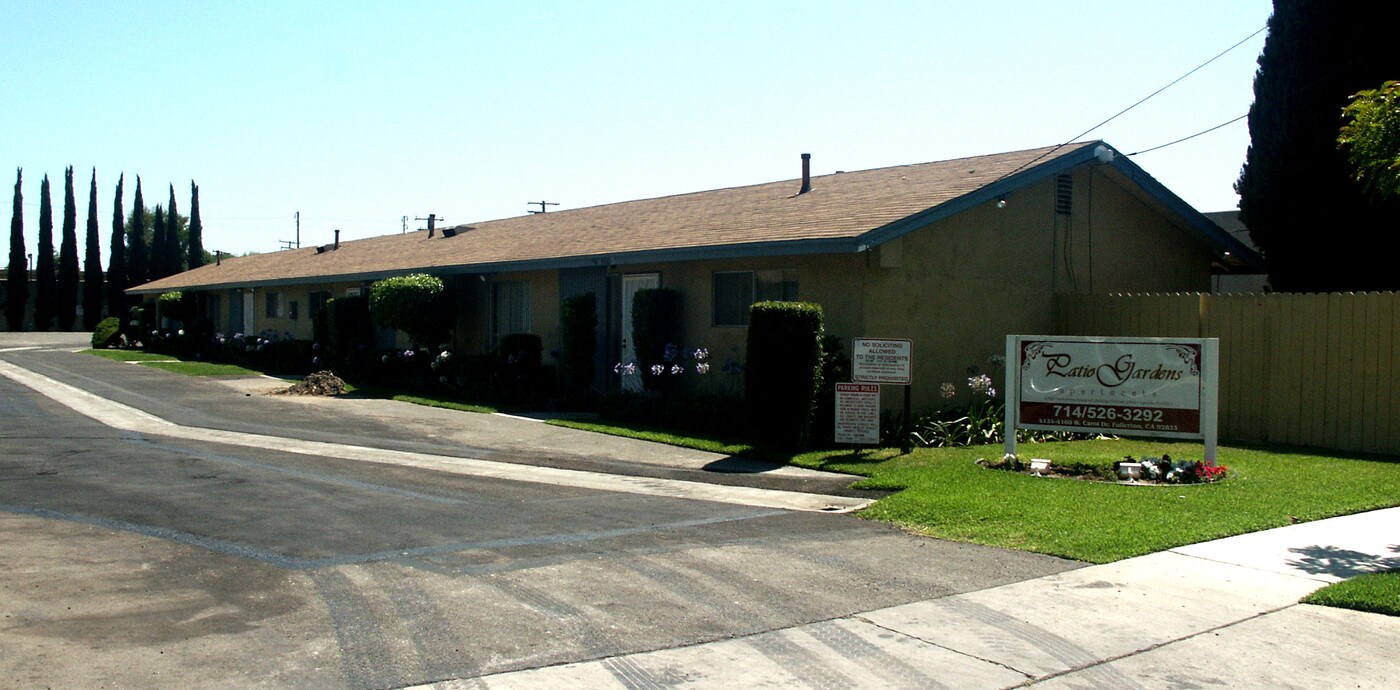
x=249, y=308
x=630, y=285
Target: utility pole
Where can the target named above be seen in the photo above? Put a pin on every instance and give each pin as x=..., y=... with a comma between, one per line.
x=541, y=204
x=432, y=222
x=294, y=244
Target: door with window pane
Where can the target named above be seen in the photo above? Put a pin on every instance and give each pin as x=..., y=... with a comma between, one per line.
x=630, y=285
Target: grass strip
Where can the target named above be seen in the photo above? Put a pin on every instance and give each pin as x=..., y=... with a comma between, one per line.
x=444, y=403
x=710, y=444
x=128, y=355
x=200, y=368
x=1372, y=592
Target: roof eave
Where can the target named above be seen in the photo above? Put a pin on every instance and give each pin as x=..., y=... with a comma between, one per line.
x=727, y=251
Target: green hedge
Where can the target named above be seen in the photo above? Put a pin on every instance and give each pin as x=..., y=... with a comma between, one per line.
x=106, y=333
x=349, y=336
x=784, y=370
x=416, y=304
x=578, y=318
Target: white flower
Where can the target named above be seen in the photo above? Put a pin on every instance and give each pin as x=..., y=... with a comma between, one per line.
x=657, y=369
x=677, y=369
x=702, y=368
x=948, y=391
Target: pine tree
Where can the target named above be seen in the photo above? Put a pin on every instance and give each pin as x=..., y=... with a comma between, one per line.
x=46, y=283
x=1296, y=192
x=17, y=279
x=116, y=261
x=138, y=268
x=92, y=263
x=196, y=249
x=66, y=301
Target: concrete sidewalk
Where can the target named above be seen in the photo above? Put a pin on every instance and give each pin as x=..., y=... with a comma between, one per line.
x=1221, y=613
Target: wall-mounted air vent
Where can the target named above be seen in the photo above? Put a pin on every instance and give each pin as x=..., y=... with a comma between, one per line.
x=1064, y=194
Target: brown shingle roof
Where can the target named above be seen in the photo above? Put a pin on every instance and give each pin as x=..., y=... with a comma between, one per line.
x=840, y=206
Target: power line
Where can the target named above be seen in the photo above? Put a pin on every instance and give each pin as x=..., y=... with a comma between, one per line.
x=1140, y=102
x=1193, y=136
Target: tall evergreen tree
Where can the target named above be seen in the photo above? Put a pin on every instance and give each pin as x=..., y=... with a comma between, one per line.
x=17, y=279
x=174, y=258
x=138, y=267
x=46, y=282
x=92, y=263
x=195, y=257
x=1297, y=196
x=66, y=300
x=116, y=260
x=159, y=244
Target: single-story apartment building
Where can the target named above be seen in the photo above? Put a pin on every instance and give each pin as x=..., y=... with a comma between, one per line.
x=952, y=255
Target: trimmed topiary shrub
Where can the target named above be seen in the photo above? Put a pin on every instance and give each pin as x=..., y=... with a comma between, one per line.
x=172, y=306
x=107, y=333
x=416, y=304
x=784, y=370
x=656, y=323
x=579, y=328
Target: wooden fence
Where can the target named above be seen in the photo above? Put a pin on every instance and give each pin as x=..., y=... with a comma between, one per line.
x=1298, y=369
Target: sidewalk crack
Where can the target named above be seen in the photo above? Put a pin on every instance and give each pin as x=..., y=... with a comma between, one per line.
x=931, y=643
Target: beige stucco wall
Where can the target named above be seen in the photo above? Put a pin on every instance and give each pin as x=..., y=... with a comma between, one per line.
x=957, y=288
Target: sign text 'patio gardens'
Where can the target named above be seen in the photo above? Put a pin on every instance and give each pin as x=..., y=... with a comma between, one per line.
x=1130, y=386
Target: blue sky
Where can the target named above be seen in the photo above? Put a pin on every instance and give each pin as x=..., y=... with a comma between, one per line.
x=357, y=114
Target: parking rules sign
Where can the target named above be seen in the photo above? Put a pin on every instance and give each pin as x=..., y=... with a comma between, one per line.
x=881, y=360
x=858, y=413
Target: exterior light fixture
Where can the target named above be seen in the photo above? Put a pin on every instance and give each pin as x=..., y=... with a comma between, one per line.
x=1040, y=467
x=1001, y=202
x=1130, y=470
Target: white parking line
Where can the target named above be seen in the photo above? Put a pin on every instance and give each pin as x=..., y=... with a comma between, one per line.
x=126, y=418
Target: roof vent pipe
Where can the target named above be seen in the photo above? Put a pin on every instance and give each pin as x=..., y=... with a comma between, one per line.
x=806, y=174
x=337, y=239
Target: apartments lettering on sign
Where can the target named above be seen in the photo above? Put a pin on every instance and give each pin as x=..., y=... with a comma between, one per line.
x=1125, y=386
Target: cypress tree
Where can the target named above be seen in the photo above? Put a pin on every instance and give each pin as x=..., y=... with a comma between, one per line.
x=92, y=263
x=46, y=282
x=196, y=252
x=1296, y=190
x=17, y=279
x=116, y=261
x=174, y=259
x=156, y=267
x=66, y=301
x=159, y=246
x=138, y=268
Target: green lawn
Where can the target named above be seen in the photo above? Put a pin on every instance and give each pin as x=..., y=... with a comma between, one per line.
x=201, y=368
x=942, y=492
x=946, y=495
x=1373, y=592
x=129, y=355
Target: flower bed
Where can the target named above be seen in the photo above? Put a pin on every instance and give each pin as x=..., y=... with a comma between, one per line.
x=1147, y=470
